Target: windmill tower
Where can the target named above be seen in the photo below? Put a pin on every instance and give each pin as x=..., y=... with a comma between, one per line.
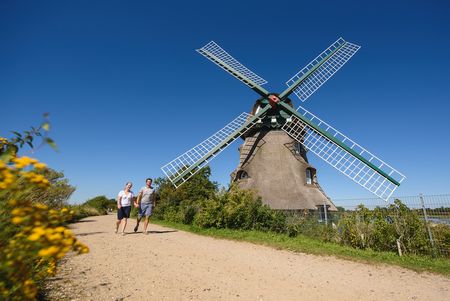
x=276, y=138
x=276, y=167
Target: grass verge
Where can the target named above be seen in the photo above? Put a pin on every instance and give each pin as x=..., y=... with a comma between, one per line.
x=309, y=245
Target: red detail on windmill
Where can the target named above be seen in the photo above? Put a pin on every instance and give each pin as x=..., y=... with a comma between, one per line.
x=273, y=100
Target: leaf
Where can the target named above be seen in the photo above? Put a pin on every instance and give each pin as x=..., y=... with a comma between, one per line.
x=11, y=151
x=51, y=143
x=17, y=134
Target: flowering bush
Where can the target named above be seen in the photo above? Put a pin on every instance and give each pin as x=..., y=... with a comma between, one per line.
x=33, y=236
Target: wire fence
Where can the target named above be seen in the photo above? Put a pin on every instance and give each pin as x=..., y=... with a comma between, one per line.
x=432, y=212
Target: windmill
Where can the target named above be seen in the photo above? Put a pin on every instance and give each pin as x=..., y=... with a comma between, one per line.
x=276, y=138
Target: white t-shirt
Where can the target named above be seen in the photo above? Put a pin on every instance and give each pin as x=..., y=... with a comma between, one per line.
x=125, y=200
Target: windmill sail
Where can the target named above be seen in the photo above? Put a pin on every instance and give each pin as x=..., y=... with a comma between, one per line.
x=319, y=70
x=220, y=57
x=343, y=154
x=186, y=165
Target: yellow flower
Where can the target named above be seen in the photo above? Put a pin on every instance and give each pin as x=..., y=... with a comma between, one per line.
x=30, y=289
x=68, y=241
x=39, y=165
x=16, y=211
x=44, y=183
x=54, y=237
x=50, y=251
x=60, y=229
x=41, y=206
x=22, y=162
x=39, y=230
x=17, y=220
x=34, y=237
x=6, y=178
x=64, y=210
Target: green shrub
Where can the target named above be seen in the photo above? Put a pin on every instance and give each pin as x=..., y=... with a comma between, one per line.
x=379, y=229
x=210, y=214
x=441, y=235
x=410, y=229
x=307, y=223
x=82, y=211
x=171, y=201
x=102, y=204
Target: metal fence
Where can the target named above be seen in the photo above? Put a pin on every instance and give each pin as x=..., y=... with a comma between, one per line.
x=434, y=210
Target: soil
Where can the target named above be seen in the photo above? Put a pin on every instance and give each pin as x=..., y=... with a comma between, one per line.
x=169, y=264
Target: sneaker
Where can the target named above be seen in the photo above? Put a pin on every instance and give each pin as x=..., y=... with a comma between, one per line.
x=123, y=233
x=115, y=231
x=136, y=228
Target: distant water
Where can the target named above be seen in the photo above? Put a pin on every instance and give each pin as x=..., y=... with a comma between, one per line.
x=437, y=220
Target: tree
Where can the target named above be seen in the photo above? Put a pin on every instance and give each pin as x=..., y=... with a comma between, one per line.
x=56, y=196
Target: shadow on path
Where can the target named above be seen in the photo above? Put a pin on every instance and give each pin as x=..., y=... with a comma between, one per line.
x=153, y=232
x=89, y=233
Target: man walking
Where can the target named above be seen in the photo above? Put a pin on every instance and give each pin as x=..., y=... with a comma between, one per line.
x=145, y=201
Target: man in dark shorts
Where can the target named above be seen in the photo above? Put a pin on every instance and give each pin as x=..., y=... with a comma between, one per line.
x=145, y=202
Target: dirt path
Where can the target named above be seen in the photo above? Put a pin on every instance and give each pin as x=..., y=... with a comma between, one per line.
x=175, y=265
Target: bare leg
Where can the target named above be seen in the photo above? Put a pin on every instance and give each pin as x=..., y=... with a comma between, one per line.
x=145, y=225
x=138, y=220
x=124, y=225
x=117, y=225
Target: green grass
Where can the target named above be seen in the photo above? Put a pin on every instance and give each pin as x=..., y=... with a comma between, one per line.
x=309, y=245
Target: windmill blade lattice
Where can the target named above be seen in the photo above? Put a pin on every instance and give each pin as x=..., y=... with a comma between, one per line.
x=220, y=57
x=344, y=154
x=186, y=165
x=322, y=68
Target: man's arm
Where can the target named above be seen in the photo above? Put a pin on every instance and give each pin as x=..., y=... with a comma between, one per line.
x=138, y=199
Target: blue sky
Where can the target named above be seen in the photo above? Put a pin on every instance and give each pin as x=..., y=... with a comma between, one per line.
x=127, y=93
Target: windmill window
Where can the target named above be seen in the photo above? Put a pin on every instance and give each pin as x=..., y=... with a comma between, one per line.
x=297, y=148
x=242, y=174
x=308, y=176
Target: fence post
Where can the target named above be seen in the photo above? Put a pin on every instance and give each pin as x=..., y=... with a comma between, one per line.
x=325, y=212
x=430, y=235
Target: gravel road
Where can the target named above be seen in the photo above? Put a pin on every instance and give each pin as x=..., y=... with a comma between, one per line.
x=169, y=264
